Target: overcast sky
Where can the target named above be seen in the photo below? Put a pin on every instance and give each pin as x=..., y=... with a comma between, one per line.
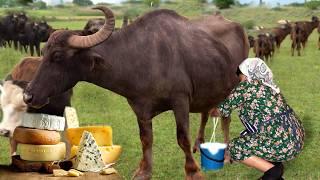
x=270, y=2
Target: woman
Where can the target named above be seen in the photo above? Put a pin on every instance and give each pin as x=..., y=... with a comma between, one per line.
x=273, y=133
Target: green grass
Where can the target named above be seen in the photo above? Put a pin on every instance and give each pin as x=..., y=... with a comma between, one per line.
x=298, y=78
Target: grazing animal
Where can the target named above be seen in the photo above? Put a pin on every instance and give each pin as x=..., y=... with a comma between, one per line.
x=8, y=29
x=281, y=32
x=251, y=41
x=11, y=98
x=300, y=32
x=264, y=46
x=93, y=26
x=160, y=62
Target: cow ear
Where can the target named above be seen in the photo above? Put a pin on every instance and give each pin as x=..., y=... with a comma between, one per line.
x=96, y=60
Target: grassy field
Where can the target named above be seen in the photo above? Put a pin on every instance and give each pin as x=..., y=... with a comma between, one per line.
x=298, y=78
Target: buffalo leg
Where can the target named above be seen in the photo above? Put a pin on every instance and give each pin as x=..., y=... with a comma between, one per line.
x=144, y=117
x=13, y=146
x=38, y=49
x=225, y=126
x=31, y=49
x=319, y=43
x=200, y=138
x=181, y=113
x=299, y=48
x=146, y=137
x=293, y=46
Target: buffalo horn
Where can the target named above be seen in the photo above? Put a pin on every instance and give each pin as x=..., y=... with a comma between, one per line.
x=77, y=41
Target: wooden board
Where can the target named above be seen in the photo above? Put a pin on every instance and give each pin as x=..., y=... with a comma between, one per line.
x=6, y=173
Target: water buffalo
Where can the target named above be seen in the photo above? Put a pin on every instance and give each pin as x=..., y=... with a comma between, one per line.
x=93, y=26
x=160, y=62
x=300, y=33
x=12, y=104
x=281, y=32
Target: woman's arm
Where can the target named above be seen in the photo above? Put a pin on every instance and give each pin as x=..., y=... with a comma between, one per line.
x=234, y=100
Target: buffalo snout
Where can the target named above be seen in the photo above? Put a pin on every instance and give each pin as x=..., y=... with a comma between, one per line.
x=27, y=97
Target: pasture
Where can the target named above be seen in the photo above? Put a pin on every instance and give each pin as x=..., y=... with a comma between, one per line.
x=298, y=78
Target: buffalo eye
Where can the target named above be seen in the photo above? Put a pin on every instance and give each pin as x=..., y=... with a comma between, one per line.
x=58, y=56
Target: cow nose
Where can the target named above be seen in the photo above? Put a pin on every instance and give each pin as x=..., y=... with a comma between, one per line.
x=27, y=98
x=4, y=132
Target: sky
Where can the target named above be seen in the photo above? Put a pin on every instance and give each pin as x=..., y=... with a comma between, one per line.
x=269, y=2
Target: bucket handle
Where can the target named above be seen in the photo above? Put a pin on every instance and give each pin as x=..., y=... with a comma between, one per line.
x=210, y=158
x=215, y=121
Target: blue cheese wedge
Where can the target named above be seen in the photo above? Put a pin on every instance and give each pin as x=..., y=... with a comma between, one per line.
x=88, y=157
x=43, y=121
x=70, y=114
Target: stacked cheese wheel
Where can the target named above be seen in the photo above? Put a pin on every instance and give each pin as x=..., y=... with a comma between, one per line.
x=38, y=137
x=102, y=135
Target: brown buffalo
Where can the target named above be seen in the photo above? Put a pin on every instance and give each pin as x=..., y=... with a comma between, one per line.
x=264, y=46
x=160, y=62
x=300, y=32
x=281, y=32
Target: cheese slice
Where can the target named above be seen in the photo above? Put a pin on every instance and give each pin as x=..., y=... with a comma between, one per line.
x=42, y=152
x=110, y=154
x=102, y=134
x=89, y=156
x=43, y=121
x=36, y=136
x=70, y=114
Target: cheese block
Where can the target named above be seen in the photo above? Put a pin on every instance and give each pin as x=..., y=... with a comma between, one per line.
x=42, y=152
x=102, y=135
x=43, y=121
x=89, y=156
x=36, y=136
x=71, y=117
x=110, y=154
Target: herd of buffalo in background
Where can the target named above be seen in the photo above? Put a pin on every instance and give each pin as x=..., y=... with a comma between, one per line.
x=21, y=33
x=268, y=39
x=18, y=31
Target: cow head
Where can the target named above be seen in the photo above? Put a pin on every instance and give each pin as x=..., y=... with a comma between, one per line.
x=93, y=26
x=21, y=21
x=67, y=58
x=42, y=30
x=314, y=19
x=12, y=106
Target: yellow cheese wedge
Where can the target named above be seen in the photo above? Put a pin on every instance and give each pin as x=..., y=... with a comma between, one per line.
x=71, y=117
x=102, y=135
x=110, y=154
x=42, y=152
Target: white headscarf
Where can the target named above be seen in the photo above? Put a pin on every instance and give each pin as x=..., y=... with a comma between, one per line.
x=257, y=69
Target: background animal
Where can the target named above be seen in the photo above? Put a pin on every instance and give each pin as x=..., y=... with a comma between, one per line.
x=12, y=104
x=300, y=32
x=176, y=72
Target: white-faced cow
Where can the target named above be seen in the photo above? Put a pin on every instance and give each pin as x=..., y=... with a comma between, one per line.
x=11, y=98
x=160, y=62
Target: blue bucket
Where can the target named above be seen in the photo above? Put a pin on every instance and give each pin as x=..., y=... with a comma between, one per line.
x=212, y=155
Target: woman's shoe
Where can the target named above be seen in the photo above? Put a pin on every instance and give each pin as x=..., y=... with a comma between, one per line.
x=273, y=173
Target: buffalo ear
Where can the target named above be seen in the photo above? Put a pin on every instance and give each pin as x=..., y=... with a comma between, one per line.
x=97, y=60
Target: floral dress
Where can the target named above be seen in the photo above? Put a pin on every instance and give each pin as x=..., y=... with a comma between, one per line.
x=272, y=129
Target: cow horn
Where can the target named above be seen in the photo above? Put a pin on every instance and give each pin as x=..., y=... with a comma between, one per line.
x=77, y=41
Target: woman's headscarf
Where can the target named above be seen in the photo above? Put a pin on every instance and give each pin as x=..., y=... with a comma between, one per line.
x=257, y=69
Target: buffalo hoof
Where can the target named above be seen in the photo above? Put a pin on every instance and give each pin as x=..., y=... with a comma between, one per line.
x=227, y=159
x=196, y=146
x=142, y=175
x=195, y=176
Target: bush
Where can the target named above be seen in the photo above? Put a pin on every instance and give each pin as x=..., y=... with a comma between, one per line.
x=39, y=5
x=312, y=5
x=248, y=24
x=223, y=4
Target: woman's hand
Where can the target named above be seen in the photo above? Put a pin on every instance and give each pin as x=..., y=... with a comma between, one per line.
x=214, y=112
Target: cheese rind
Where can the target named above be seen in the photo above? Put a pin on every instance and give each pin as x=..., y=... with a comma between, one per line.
x=43, y=121
x=36, y=136
x=89, y=156
x=110, y=154
x=102, y=134
x=71, y=117
x=42, y=152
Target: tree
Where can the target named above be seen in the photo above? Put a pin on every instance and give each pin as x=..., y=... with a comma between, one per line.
x=83, y=2
x=24, y=2
x=223, y=4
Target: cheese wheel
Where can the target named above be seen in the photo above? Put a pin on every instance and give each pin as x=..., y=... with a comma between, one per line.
x=42, y=152
x=36, y=136
x=110, y=154
x=43, y=121
x=102, y=135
